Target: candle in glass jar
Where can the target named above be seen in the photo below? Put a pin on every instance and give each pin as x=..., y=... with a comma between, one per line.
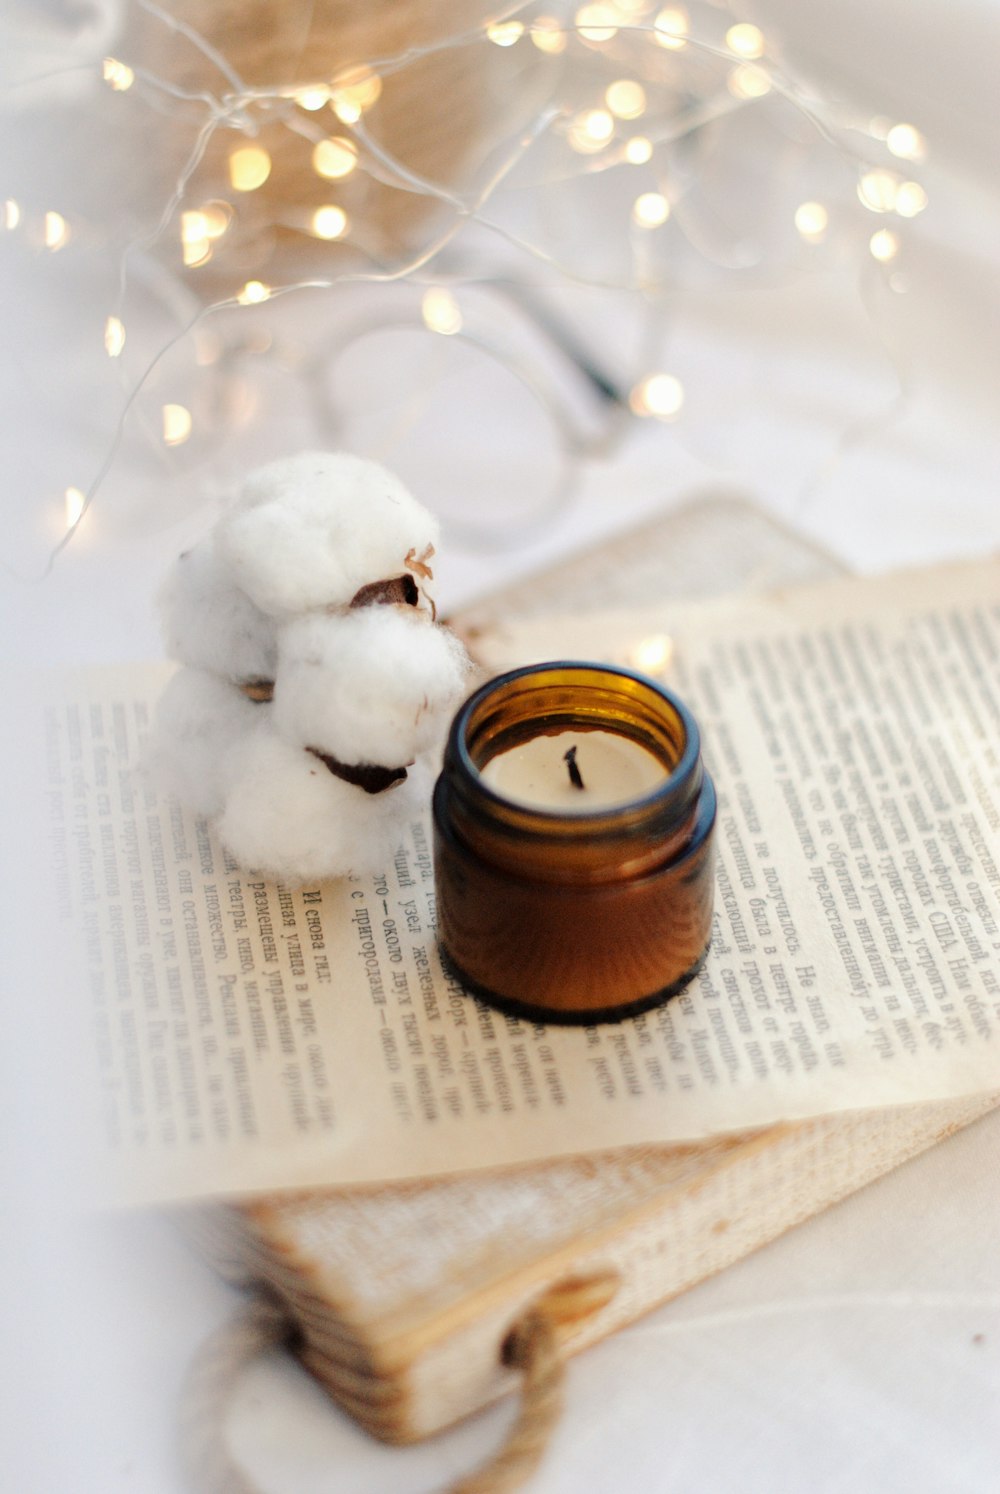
x=552, y=904
x=576, y=772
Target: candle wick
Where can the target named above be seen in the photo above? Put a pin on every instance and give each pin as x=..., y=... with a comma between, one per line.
x=575, y=776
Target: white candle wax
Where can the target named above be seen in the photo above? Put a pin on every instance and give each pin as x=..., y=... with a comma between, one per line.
x=613, y=770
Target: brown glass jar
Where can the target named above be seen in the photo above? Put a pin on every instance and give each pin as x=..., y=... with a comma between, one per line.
x=583, y=915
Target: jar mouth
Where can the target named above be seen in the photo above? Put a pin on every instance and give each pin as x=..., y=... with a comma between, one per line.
x=564, y=695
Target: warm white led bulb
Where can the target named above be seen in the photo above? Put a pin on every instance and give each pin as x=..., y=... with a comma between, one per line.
x=596, y=23
x=193, y=226
x=56, y=231
x=670, y=29
x=440, y=311
x=353, y=91
x=334, y=158
x=626, y=98
x=811, y=220
x=660, y=394
x=114, y=336
x=329, y=221
x=653, y=654
x=906, y=142
x=591, y=131
x=216, y=217
x=75, y=502
x=253, y=293
x=346, y=110
x=313, y=97
x=249, y=168
x=548, y=35
x=196, y=246
x=884, y=245
x=176, y=424
x=878, y=191
x=505, y=33
x=117, y=75
x=638, y=150
x=650, y=210
x=745, y=40
x=911, y=199
x=748, y=81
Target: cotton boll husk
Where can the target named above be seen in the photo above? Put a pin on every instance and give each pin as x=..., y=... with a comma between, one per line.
x=309, y=531
x=288, y=817
x=370, y=686
x=208, y=622
x=198, y=721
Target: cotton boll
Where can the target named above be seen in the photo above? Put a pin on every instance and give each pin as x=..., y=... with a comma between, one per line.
x=370, y=686
x=208, y=622
x=199, y=719
x=288, y=817
x=309, y=531
x=267, y=596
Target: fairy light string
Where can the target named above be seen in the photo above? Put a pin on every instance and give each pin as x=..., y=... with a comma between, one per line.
x=614, y=87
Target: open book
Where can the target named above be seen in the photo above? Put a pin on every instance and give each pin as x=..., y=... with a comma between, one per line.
x=253, y=1038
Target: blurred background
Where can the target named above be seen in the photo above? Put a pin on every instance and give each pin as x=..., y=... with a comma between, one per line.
x=558, y=266
x=562, y=267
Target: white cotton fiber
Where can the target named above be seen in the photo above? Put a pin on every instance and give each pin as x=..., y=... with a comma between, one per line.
x=371, y=686
x=199, y=719
x=209, y=622
x=266, y=596
x=309, y=531
x=288, y=817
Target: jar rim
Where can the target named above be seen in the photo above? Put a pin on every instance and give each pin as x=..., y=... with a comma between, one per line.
x=682, y=776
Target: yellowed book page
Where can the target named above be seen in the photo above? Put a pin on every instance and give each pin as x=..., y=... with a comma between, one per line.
x=244, y=1036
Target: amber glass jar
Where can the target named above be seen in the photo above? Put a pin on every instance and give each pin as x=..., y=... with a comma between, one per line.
x=580, y=916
